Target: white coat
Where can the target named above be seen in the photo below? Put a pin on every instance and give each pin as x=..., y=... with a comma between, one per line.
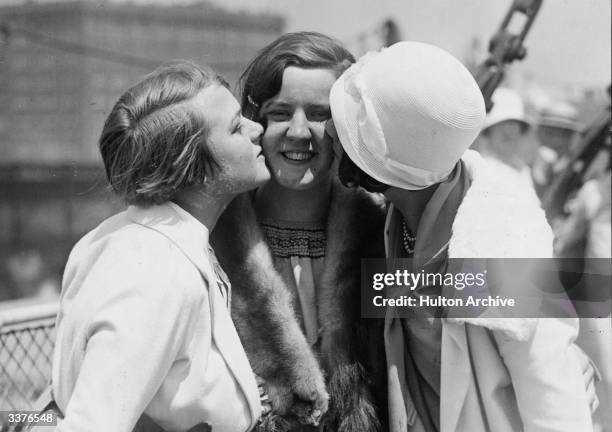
x=503, y=374
x=144, y=327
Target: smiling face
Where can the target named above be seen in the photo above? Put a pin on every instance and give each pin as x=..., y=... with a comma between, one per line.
x=233, y=142
x=298, y=152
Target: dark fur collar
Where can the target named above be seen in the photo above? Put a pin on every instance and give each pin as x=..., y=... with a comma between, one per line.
x=350, y=349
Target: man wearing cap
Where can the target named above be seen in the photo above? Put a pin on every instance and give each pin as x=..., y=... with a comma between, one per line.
x=506, y=141
x=405, y=118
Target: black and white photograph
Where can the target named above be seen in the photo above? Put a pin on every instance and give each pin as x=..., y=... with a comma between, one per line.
x=305, y=216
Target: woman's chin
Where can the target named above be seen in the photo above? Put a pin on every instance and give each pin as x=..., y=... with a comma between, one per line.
x=301, y=183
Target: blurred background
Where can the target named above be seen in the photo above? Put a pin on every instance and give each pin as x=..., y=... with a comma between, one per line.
x=63, y=64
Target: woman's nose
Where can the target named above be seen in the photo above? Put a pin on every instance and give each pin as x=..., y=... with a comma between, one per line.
x=298, y=127
x=256, y=130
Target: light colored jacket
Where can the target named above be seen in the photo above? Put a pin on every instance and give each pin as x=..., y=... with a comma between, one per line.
x=504, y=374
x=144, y=327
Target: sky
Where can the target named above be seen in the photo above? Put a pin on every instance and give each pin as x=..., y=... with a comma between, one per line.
x=569, y=44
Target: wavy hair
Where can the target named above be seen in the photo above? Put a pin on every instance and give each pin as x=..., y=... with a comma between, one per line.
x=263, y=77
x=153, y=142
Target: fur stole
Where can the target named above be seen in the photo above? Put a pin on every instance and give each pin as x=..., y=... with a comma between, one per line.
x=350, y=349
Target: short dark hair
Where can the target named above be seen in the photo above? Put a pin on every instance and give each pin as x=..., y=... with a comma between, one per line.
x=263, y=77
x=153, y=144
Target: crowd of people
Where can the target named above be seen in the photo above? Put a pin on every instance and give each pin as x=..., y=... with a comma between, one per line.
x=227, y=296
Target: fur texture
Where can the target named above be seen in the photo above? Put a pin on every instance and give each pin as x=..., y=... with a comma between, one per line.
x=350, y=350
x=263, y=315
x=488, y=206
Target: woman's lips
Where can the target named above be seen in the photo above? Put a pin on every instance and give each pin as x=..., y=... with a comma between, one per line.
x=298, y=156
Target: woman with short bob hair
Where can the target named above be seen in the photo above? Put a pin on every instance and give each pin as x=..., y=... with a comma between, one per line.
x=153, y=142
x=144, y=323
x=263, y=77
x=303, y=234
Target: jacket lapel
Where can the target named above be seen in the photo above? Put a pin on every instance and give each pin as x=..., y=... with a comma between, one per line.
x=191, y=238
x=227, y=340
x=455, y=375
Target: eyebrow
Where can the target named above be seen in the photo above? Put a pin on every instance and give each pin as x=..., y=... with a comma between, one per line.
x=278, y=104
x=322, y=106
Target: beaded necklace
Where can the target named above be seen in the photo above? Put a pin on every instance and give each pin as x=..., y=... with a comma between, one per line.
x=408, y=239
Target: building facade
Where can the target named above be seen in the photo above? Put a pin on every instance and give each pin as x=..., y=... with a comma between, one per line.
x=62, y=67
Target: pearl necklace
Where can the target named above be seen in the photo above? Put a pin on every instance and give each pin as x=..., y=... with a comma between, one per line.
x=408, y=239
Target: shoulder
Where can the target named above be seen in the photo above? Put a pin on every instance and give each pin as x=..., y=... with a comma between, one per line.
x=133, y=256
x=124, y=240
x=495, y=220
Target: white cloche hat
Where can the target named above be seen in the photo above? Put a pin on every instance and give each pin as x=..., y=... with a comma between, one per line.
x=405, y=115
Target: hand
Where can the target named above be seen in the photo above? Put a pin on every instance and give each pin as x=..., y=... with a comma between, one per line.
x=310, y=398
x=300, y=413
x=266, y=404
x=303, y=404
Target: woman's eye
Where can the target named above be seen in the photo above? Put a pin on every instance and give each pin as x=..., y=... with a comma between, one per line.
x=278, y=115
x=238, y=128
x=319, y=116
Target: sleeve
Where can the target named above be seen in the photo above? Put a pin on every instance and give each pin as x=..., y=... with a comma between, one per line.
x=138, y=330
x=547, y=377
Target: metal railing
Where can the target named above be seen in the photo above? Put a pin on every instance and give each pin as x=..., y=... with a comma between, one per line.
x=27, y=336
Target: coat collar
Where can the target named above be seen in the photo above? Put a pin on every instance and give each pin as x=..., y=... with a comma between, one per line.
x=176, y=224
x=508, y=222
x=191, y=238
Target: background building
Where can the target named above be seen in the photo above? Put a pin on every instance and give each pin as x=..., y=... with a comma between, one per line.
x=62, y=66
